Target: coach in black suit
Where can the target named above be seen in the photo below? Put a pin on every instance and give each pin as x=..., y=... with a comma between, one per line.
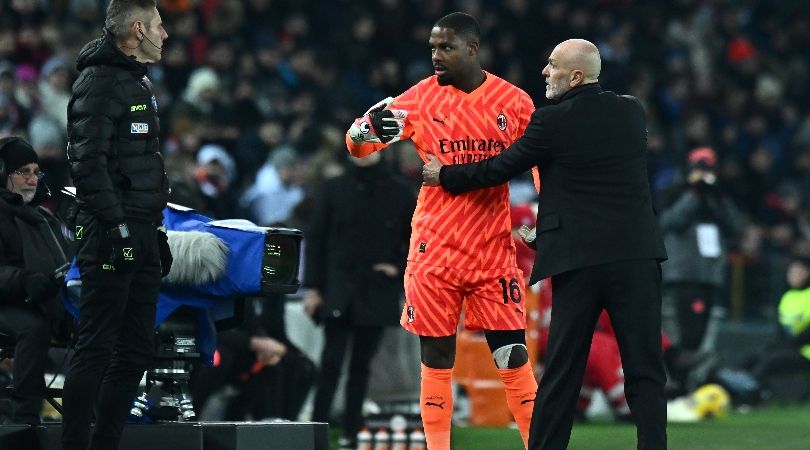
x=597, y=239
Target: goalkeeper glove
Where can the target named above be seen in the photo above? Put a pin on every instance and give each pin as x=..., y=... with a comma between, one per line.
x=378, y=124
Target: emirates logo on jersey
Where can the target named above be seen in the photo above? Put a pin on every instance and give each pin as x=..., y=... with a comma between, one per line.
x=501, y=122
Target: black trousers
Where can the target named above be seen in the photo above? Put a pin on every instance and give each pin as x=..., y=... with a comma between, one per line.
x=115, y=339
x=365, y=343
x=687, y=310
x=30, y=328
x=630, y=291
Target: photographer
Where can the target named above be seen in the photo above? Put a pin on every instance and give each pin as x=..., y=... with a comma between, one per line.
x=33, y=244
x=698, y=222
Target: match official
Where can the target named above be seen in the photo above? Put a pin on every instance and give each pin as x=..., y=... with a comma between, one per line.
x=121, y=188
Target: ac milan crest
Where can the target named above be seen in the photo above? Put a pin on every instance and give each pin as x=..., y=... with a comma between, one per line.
x=501, y=122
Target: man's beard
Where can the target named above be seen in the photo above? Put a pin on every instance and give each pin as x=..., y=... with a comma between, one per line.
x=554, y=92
x=28, y=196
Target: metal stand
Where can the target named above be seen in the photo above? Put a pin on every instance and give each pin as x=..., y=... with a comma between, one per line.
x=166, y=397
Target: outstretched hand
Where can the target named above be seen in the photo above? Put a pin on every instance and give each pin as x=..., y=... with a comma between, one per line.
x=379, y=124
x=431, y=170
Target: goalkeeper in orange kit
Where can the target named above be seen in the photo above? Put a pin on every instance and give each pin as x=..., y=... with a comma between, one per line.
x=461, y=249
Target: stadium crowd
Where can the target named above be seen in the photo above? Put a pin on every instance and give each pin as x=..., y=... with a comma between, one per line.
x=255, y=97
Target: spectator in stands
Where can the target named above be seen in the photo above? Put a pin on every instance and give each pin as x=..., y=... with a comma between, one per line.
x=48, y=140
x=276, y=192
x=194, y=111
x=13, y=116
x=54, y=89
x=254, y=146
x=670, y=54
x=204, y=183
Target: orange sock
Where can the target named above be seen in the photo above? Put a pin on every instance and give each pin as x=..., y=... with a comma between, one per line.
x=521, y=388
x=436, y=404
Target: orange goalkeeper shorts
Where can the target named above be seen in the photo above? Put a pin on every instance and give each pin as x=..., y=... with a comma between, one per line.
x=493, y=299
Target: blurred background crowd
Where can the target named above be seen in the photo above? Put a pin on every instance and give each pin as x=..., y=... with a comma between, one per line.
x=255, y=97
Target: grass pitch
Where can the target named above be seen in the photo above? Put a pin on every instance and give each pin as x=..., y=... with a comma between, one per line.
x=774, y=428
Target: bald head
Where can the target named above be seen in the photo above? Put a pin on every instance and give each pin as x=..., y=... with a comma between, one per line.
x=572, y=63
x=580, y=54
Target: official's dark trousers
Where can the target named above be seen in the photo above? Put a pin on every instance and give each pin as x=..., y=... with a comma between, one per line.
x=32, y=333
x=115, y=339
x=630, y=291
x=365, y=343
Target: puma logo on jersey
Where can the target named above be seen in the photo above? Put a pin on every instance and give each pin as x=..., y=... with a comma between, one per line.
x=440, y=121
x=439, y=405
x=528, y=400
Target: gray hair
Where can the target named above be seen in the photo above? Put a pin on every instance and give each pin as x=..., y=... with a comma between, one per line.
x=122, y=13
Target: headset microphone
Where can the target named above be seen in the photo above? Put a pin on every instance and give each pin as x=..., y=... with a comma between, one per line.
x=149, y=40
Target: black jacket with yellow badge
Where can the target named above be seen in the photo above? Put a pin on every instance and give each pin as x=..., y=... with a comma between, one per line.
x=113, y=133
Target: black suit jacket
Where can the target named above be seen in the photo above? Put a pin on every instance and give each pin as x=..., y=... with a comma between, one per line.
x=360, y=219
x=595, y=201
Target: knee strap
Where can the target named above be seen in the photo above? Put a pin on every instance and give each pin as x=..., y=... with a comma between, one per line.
x=502, y=344
x=503, y=355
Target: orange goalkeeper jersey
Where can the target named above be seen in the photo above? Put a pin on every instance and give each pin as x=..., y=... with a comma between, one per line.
x=471, y=230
